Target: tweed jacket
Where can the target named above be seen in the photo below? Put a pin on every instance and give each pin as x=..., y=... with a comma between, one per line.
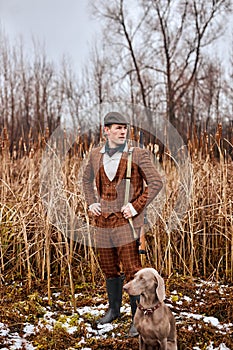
x=145, y=184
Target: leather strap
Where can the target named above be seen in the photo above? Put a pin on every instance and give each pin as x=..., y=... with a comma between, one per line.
x=150, y=310
x=128, y=175
x=127, y=187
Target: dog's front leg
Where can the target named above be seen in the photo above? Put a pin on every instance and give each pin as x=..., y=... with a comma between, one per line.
x=163, y=344
x=143, y=346
x=171, y=345
x=140, y=343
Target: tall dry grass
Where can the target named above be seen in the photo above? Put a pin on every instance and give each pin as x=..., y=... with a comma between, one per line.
x=200, y=243
x=33, y=249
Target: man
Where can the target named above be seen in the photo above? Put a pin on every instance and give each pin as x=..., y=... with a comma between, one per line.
x=106, y=171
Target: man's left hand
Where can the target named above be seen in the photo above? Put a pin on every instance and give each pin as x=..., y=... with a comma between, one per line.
x=128, y=211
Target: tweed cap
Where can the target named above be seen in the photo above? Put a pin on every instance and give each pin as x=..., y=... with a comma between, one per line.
x=115, y=118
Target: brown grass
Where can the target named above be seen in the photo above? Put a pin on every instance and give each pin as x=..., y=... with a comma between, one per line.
x=31, y=248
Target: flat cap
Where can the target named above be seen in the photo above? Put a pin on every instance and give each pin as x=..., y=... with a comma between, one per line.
x=115, y=118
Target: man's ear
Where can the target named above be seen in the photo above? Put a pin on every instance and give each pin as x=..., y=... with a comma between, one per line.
x=106, y=129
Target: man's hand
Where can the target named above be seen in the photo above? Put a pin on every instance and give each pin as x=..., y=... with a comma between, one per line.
x=128, y=211
x=95, y=209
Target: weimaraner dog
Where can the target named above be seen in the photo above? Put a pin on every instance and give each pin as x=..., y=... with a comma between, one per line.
x=153, y=319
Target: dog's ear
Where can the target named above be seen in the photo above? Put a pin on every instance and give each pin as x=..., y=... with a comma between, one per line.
x=160, y=290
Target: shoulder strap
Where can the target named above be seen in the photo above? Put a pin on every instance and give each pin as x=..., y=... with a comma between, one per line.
x=128, y=175
x=127, y=187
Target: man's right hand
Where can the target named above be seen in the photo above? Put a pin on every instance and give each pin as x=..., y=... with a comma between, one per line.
x=95, y=209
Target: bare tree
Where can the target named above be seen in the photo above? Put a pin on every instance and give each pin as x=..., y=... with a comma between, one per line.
x=183, y=31
x=121, y=33
x=29, y=92
x=160, y=45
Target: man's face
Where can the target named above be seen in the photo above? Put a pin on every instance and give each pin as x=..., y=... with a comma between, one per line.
x=116, y=134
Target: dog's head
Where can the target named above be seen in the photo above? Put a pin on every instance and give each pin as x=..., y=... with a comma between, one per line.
x=146, y=281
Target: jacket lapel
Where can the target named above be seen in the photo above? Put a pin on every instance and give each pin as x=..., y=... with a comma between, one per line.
x=122, y=167
x=98, y=162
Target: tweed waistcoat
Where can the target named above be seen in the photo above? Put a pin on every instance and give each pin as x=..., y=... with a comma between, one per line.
x=98, y=188
x=111, y=201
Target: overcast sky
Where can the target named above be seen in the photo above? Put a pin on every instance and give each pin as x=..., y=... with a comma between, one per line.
x=64, y=26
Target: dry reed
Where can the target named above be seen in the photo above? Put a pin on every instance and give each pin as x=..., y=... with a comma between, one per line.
x=32, y=248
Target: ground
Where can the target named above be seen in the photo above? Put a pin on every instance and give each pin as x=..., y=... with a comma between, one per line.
x=203, y=312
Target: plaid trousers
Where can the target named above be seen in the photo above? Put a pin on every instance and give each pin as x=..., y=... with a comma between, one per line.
x=118, y=251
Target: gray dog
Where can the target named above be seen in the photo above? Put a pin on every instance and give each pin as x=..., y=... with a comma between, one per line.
x=153, y=319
